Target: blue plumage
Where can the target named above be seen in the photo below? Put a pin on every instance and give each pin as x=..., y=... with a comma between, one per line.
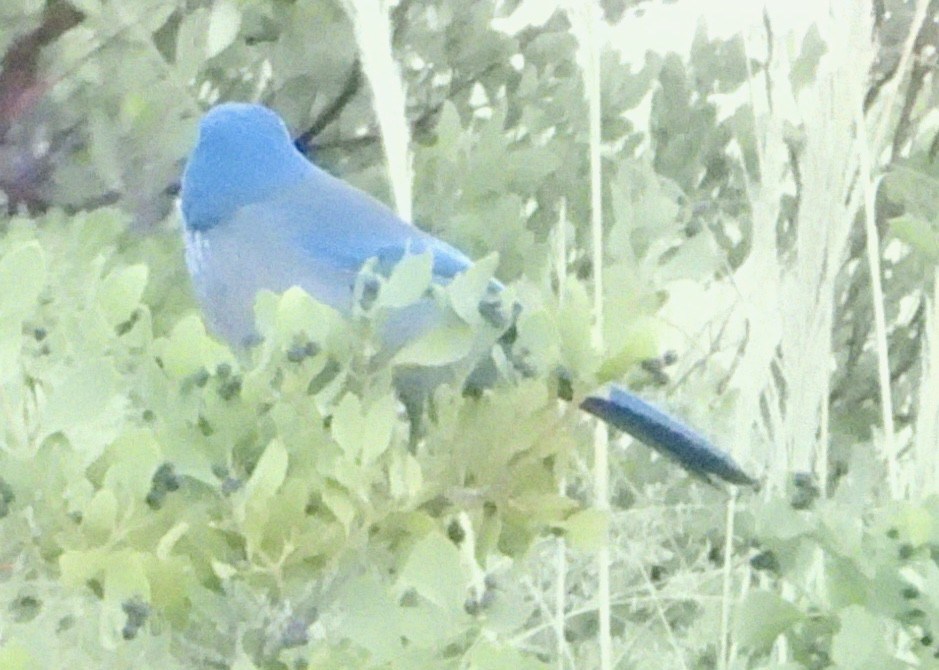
x=258, y=215
x=650, y=425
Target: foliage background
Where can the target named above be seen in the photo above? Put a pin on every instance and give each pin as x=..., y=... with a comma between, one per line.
x=768, y=201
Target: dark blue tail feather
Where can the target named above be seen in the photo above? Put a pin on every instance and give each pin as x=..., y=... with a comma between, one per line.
x=650, y=425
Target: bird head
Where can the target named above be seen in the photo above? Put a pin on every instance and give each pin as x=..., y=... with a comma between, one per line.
x=243, y=154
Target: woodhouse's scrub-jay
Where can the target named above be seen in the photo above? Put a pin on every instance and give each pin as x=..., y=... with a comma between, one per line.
x=258, y=215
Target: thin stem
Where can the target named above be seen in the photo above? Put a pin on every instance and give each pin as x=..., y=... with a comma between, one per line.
x=585, y=19
x=727, y=582
x=560, y=586
x=372, y=27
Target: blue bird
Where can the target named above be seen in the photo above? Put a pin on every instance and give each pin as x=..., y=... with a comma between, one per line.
x=258, y=215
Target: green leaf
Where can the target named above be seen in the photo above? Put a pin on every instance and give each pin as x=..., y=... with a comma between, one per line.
x=10, y=346
x=914, y=184
x=918, y=233
x=243, y=662
x=439, y=346
x=338, y=502
x=189, y=349
x=538, y=337
x=370, y=617
x=433, y=569
x=803, y=69
x=170, y=539
x=268, y=475
x=915, y=524
x=861, y=642
x=405, y=476
x=105, y=150
x=364, y=434
x=588, y=529
x=777, y=519
x=529, y=167
x=492, y=655
x=223, y=571
x=696, y=258
x=468, y=288
x=125, y=577
x=22, y=277
x=640, y=341
x=449, y=131
x=762, y=617
x=347, y=426
x=135, y=455
x=409, y=280
x=120, y=292
x=81, y=396
x=99, y=517
x=190, y=43
x=15, y=656
x=574, y=319
x=90, y=7
x=77, y=566
x=297, y=312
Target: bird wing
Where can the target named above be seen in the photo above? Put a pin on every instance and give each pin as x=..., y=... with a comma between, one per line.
x=336, y=223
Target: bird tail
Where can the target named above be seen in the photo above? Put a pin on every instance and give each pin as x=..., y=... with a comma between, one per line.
x=666, y=434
